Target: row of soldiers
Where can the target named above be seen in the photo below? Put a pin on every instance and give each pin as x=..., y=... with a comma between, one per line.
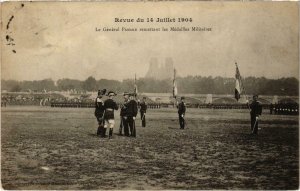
x=104, y=113
x=284, y=109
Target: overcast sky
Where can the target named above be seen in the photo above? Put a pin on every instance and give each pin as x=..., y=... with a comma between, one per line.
x=58, y=40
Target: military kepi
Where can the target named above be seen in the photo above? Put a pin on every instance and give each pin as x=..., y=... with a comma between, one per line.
x=111, y=93
x=101, y=92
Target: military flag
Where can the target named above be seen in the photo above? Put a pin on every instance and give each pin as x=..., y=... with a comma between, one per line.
x=238, y=84
x=135, y=86
x=174, y=85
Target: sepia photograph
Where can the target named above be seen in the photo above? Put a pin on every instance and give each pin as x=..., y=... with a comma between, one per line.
x=149, y=95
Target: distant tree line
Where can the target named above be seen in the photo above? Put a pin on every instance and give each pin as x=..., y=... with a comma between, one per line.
x=189, y=84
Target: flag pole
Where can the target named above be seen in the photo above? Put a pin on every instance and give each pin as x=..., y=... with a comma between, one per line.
x=243, y=90
x=174, y=88
x=135, y=86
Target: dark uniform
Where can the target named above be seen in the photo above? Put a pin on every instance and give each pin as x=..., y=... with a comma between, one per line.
x=109, y=119
x=256, y=110
x=181, y=113
x=130, y=115
x=122, y=117
x=99, y=111
x=143, y=109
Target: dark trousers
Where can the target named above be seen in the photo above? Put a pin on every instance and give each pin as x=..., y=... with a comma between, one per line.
x=121, y=125
x=100, y=125
x=254, y=129
x=143, y=118
x=125, y=125
x=129, y=125
x=181, y=122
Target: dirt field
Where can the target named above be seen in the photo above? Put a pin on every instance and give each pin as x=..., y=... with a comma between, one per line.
x=56, y=148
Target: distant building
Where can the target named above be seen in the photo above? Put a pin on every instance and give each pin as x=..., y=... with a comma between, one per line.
x=160, y=72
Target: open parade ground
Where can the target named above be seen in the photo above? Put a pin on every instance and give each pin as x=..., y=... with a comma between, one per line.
x=62, y=60
x=57, y=148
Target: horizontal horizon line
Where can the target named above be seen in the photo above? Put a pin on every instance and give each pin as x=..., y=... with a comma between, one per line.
x=233, y=77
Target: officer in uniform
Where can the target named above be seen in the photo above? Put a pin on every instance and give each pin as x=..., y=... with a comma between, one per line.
x=255, y=112
x=143, y=109
x=130, y=115
x=99, y=111
x=123, y=114
x=109, y=120
x=181, y=112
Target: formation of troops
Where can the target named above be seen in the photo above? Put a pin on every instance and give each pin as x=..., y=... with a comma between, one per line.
x=284, y=109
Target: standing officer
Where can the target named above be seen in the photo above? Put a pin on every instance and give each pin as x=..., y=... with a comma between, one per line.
x=130, y=115
x=99, y=110
x=109, y=120
x=255, y=112
x=181, y=112
x=123, y=115
x=143, y=109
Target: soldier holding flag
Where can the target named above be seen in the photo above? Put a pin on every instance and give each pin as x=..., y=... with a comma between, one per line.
x=181, y=112
x=181, y=106
x=255, y=112
x=255, y=107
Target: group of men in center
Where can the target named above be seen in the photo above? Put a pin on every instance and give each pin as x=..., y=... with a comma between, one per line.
x=104, y=113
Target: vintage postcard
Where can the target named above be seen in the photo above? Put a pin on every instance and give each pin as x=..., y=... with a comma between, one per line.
x=170, y=95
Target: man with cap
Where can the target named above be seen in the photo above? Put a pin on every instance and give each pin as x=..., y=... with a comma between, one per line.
x=255, y=112
x=109, y=120
x=123, y=115
x=99, y=111
x=181, y=112
x=130, y=115
x=143, y=109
